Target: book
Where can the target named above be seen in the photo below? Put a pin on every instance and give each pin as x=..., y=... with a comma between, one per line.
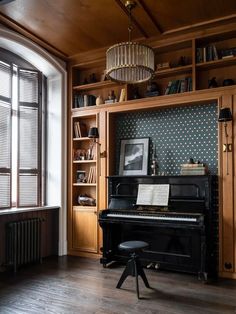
x=153, y=194
x=122, y=95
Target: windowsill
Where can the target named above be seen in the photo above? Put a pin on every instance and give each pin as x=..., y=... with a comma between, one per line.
x=15, y=210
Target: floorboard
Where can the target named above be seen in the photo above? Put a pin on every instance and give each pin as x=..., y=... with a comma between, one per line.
x=68, y=285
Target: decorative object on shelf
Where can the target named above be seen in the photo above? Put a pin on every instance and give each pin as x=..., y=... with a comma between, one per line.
x=79, y=154
x=99, y=100
x=94, y=134
x=212, y=83
x=225, y=116
x=86, y=200
x=81, y=176
x=163, y=66
x=154, y=165
x=136, y=94
x=134, y=156
x=130, y=62
x=152, y=90
x=182, y=61
x=92, y=78
x=111, y=98
x=228, y=82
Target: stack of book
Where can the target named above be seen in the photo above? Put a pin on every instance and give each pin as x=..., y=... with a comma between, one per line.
x=80, y=129
x=193, y=169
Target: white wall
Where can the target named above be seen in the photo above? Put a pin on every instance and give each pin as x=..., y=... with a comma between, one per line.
x=56, y=123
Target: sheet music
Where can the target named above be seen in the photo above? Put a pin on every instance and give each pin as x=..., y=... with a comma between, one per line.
x=153, y=194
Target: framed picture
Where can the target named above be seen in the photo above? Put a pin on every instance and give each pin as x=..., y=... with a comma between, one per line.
x=80, y=176
x=134, y=156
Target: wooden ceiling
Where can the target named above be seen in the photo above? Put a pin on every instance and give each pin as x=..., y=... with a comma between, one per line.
x=69, y=27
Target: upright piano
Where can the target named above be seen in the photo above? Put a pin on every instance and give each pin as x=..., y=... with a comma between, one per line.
x=180, y=235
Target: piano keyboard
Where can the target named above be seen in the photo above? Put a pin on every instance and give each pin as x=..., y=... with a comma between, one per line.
x=162, y=217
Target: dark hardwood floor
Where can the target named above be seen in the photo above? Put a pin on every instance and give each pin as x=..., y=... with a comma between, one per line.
x=79, y=285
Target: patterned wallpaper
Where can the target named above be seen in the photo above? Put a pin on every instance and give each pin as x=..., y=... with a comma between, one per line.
x=177, y=133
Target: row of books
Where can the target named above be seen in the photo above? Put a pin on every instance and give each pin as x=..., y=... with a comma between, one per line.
x=208, y=53
x=84, y=100
x=193, y=169
x=92, y=175
x=179, y=86
x=80, y=129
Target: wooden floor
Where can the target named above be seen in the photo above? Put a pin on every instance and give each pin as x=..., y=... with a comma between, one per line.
x=79, y=285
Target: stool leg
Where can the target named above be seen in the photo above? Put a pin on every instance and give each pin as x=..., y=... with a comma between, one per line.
x=142, y=273
x=127, y=271
x=136, y=277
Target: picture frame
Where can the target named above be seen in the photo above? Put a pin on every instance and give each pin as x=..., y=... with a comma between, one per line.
x=80, y=176
x=134, y=154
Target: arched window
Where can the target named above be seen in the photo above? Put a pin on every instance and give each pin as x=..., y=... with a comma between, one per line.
x=22, y=132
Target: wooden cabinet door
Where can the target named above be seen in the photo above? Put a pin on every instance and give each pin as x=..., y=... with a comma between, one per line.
x=85, y=229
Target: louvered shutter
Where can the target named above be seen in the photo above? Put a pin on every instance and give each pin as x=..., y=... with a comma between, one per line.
x=5, y=134
x=29, y=140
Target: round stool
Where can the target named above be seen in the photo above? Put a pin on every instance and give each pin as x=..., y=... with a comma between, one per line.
x=133, y=266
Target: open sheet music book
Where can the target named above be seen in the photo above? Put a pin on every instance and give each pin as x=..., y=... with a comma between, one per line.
x=153, y=194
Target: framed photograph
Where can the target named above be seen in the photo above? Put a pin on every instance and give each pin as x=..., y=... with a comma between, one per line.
x=134, y=156
x=80, y=176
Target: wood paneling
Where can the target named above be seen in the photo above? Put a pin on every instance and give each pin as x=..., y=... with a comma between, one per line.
x=85, y=229
x=75, y=26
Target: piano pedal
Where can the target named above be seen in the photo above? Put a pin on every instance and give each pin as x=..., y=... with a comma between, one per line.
x=157, y=266
x=151, y=265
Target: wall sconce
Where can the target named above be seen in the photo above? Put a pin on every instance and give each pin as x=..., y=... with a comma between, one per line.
x=94, y=134
x=225, y=115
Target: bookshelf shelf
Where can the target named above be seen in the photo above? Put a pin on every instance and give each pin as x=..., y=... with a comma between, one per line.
x=216, y=63
x=174, y=71
x=85, y=208
x=84, y=161
x=94, y=86
x=81, y=139
x=84, y=184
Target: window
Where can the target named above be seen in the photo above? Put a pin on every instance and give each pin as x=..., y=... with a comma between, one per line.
x=21, y=140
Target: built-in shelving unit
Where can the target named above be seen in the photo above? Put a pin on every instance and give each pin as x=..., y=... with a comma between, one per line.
x=182, y=65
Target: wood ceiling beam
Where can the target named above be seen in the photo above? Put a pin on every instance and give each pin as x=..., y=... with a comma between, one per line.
x=134, y=21
x=4, y=20
x=201, y=24
x=150, y=15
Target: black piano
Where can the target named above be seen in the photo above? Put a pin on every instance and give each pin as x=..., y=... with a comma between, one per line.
x=180, y=235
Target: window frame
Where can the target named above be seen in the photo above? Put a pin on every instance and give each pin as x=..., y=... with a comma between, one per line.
x=12, y=59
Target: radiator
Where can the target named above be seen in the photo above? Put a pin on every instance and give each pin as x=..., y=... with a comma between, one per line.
x=23, y=242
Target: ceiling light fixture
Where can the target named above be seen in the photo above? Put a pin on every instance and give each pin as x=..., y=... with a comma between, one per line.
x=130, y=62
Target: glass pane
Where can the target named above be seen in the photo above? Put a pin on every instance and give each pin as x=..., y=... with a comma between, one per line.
x=5, y=76
x=28, y=190
x=5, y=191
x=28, y=138
x=28, y=86
x=5, y=135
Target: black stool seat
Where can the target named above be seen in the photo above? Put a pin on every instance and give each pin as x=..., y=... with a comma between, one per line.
x=133, y=246
x=133, y=266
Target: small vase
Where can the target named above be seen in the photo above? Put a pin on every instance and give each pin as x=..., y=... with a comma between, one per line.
x=99, y=100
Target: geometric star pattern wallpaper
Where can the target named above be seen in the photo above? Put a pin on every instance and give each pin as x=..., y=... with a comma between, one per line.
x=176, y=134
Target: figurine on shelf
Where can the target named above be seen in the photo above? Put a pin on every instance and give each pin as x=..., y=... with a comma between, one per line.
x=212, y=83
x=92, y=78
x=154, y=165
